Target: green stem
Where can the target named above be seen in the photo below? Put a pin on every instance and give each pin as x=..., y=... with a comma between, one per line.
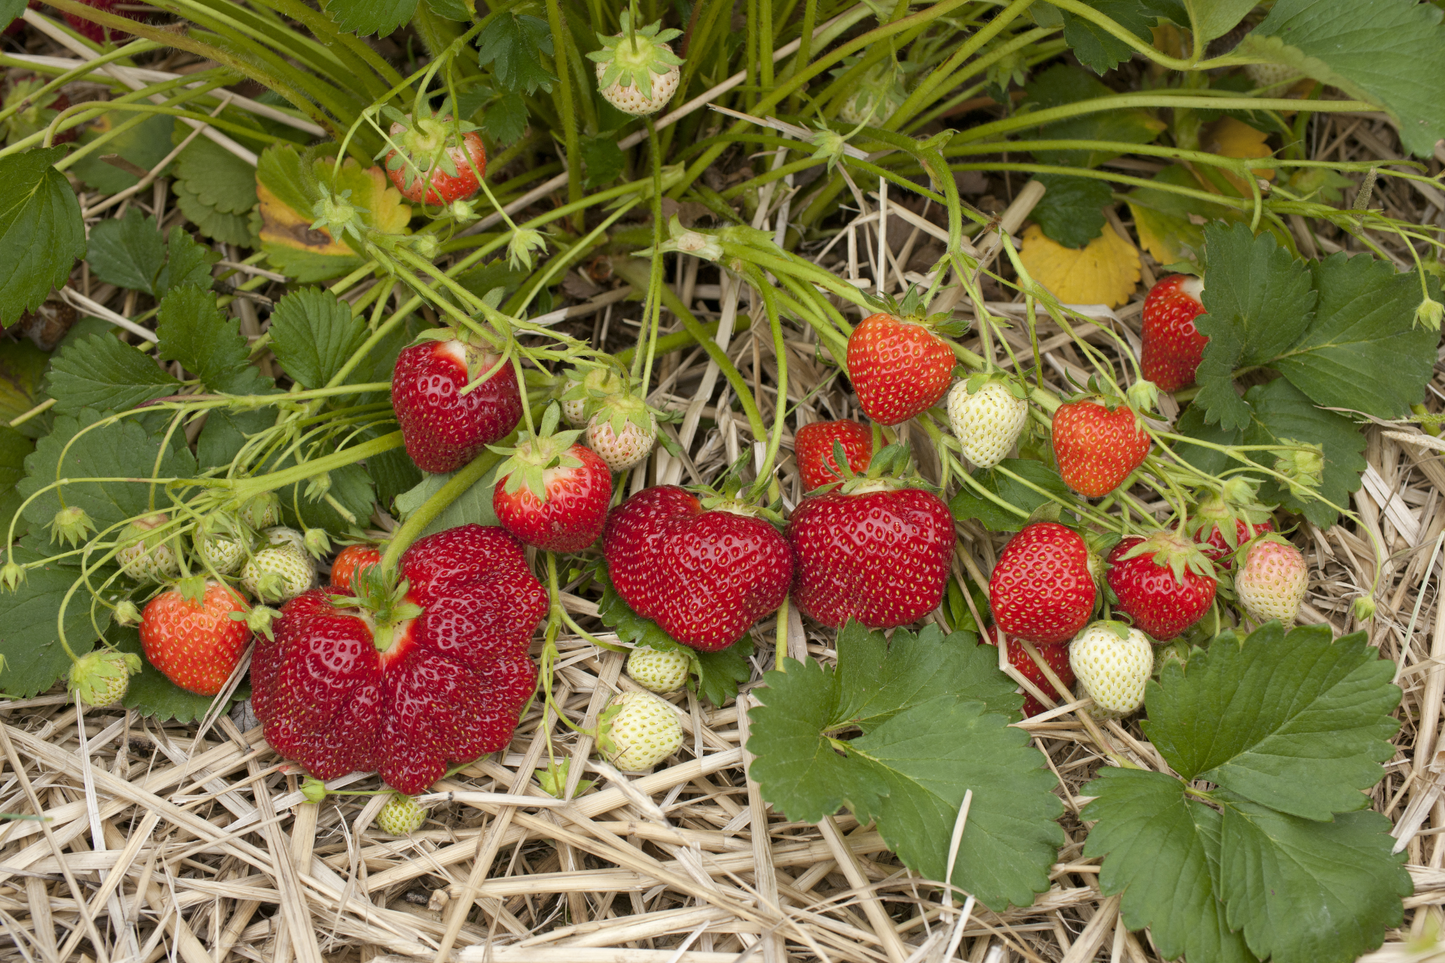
x=416, y=523
x=561, y=40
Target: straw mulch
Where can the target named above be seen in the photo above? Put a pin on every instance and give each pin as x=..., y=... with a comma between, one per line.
x=195, y=844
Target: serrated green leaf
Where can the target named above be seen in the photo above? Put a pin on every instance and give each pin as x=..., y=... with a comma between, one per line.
x=1215, y=18
x=1293, y=721
x=474, y=504
x=313, y=334
x=968, y=503
x=515, y=45
x=10, y=10
x=1063, y=84
x=41, y=231
x=718, y=673
x=1100, y=50
x=31, y=656
x=1310, y=892
x=453, y=9
x=187, y=264
x=216, y=177
x=152, y=694
x=192, y=331
x=1363, y=350
x=924, y=742
x=145, y=145
x=394, y=473
x=14, y=449
x=1162, y=853
x=226, y=228
x=1072, y=209
x=106, y=374
x=366, y=17
x=1258, y=300
x=602, y=159
x=127, y=252
x=505, y=120
x=1370, y=49
x=121, y=450
x=1211, y=461
x=22, y=365
x=1279, y=412
x=225, y=433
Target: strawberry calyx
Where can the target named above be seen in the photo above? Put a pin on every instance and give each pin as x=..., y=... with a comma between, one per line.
x=1174, y=552
x=633, y=57
x=536, y=456
x=387, y=610
x=913, y=309
x=581, y=390
x=420, y=142
x=619, y=410
x=99, y=678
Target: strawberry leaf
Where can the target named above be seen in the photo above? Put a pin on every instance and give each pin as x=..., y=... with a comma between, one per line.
x=152, y=694
x=1022, y=492
x=1072, y=209
x=1304, y=730
x=365, y=17
x=192, y=331
x=1064, y=84
x=1280, y=413
x=127, y=252
x=313, y=334
x=41, y=232
x=515, y=46
x=1368, y=48
x=1100, y=50
x=31, y=656
x=473, y=505
x=1258, y=301
x=104, y=373
x=930, y=709
x=718, y=674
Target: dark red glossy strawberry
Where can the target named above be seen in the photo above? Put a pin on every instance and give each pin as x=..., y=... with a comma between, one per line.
x=879, y=556
x=813, y=449
x=97, y=33
x=1042, y=589
x=705, y=576
x=1216, y=547
x=444, y=428
x=899, y=367
x=406, y=681
x=553, y=493
x=439, y=159
x=1173, y=347
x=1163, y=583
x=1057, y=658
x=1096, y=448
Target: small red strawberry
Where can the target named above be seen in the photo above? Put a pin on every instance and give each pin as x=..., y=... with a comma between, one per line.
x=813, y=449
x=899, y=367
x=405, y=680
x=1227, y=519
x=438, y=157
x=95, y=32
x=1173, y=347
x=704, y=574
x=1056, y=656
x=196, y=645
x=1163, y=583
x=1042, y=589
x=350, y=562
x=553, y=493
x=1096, y=448
x=443, y=427
x=879, y=554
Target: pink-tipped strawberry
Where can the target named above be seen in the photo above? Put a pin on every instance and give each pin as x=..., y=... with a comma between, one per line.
x=444, y=425
x=1173, y=347
x=437, y=159
x=1042, y=588
x=813, y=450
x=898, y=365
x=552, y=492
x=1163, y=583
x=622, y=431
x=1096, y=447
x=1273, y=580
x=637, y=72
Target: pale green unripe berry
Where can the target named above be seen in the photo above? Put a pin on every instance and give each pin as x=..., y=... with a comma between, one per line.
x=659, y=671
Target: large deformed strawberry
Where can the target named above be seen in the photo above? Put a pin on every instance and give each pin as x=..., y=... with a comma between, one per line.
x=405, y=679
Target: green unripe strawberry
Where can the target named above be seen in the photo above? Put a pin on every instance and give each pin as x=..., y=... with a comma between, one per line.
x=218, y=544
x=1112, y=662
x=146, y=554
x=659, y=671
x=278, y=573
x=101, y=678
x=401, y=816
x=263, y=511
x=638, y=730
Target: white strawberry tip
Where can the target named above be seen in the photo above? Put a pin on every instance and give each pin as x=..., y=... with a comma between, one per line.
x=1193, y=287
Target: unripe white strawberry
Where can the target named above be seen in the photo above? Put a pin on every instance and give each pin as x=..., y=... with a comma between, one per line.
x=1272, y=581
x=622, y=432
x=1112, y=662
x=218, y=545
x=580, y=397
x=278, y=573
x=146, y=553
x=636, y=70
x=262, y=511
x=401, y=816
x=659, y=671
x=280, y=535
x=986, y=421
x=638, y=730
x=101, y=678
x=1267, y=75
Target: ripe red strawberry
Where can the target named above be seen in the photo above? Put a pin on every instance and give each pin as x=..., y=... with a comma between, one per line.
x=1163, y=583
x=1218, y=550
x=1042, y=589
x=899, y=368
x=433, y=163
x=705, y=576
x=95, y=32
x=1057, y=658
x=443, y=428
x=553, y=493
x=407, y=681
x=813, y=449
x=195, y=645
x=1227, y=519
x=1096, y=448
x=350, y=562
x=1173, y=347
x=879, y=555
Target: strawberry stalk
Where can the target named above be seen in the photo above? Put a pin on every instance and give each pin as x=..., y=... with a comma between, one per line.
x=411, y=529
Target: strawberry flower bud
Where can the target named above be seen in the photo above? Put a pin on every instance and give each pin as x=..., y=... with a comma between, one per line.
x=71, y=525
x=317, y=542
x=126, y=613
x=1429, y=313
x=1364, y=608
x=313, y=789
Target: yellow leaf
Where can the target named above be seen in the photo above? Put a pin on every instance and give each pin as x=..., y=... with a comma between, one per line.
x=1105, y=271
x=1228, y=137
x=289, y=228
